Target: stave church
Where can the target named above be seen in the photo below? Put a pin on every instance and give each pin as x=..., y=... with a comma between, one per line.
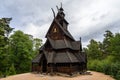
x=61, y=52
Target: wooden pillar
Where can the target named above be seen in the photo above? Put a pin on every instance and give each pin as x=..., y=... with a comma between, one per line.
x=41, y=67
x=51, y=69
x=80, y=68
x=55, y=68
x=70, y=69
x=47, y=68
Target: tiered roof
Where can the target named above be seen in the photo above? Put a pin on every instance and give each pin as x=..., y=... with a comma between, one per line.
x=62, y=50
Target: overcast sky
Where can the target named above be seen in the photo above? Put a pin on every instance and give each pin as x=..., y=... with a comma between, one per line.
x=88, y=19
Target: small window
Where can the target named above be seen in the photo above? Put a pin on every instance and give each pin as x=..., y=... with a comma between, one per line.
x=54, y=30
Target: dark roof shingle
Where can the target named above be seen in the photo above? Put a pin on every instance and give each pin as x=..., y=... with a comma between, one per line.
x=37, y=58
x=61, y=57
x=61, y=44
x=66, y=32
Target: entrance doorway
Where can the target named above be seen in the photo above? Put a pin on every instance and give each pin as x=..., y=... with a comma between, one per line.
x=44, y=64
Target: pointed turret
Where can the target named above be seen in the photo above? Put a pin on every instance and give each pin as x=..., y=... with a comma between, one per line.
x=61, y=17
x=58, y=28
x=60, y=11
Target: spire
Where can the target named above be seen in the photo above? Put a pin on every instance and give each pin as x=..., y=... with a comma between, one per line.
x=60, y=17
x=80, y=44
x=61, y=9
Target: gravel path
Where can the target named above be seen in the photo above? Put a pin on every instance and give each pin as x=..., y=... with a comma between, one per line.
x=31, y=76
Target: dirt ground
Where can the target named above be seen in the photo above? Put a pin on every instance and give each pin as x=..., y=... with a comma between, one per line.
x=31, y=76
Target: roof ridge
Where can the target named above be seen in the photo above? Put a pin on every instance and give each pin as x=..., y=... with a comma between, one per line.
x=80, y=56
x=69, y=44
x=69, y=56
x=49, y=39
x=65, y=31
x=65, y=43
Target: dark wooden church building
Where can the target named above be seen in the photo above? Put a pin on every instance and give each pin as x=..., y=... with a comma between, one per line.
x=60, y=53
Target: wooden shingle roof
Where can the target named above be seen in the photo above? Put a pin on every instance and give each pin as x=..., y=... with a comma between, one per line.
x=37, y=58
x=60, y=57
x=61, y=44
x=64, y=48
x=66, y=32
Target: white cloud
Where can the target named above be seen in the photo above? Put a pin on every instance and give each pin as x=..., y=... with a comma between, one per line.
x=87, y=18
x=36, y=31
x=94, y=16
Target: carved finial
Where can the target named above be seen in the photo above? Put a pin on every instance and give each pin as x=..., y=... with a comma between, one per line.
x=80, y=39
x=61, y=9
x=57, y=8
x=53, y=12
x=61, y=4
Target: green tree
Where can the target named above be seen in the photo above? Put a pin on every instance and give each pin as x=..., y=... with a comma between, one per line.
x=21, y=51
x=114, y=47
x=5, y=30
x=109, y=61
x=106, y=42
x=93, y=50
x=37, y=43
x=11, y=70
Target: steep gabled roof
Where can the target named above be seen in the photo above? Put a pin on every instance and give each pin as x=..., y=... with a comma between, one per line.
x=76, y=45
x=66, y=32
x=60, y=57
x=62, y=44
x=81, y=57
x=37, y=58
x=41, y=48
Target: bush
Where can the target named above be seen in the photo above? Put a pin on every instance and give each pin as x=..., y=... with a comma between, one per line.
x=11, y=70
x=1, y=74
x=115, y=69
x=107, y=66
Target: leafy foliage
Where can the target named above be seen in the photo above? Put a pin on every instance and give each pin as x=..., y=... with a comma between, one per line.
x=36, y=44
x=104, y=56
x=22, y=48
x=16, y=50
x=11, y=70
x=5, y=30
x=114, y=48
x=93, y=50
